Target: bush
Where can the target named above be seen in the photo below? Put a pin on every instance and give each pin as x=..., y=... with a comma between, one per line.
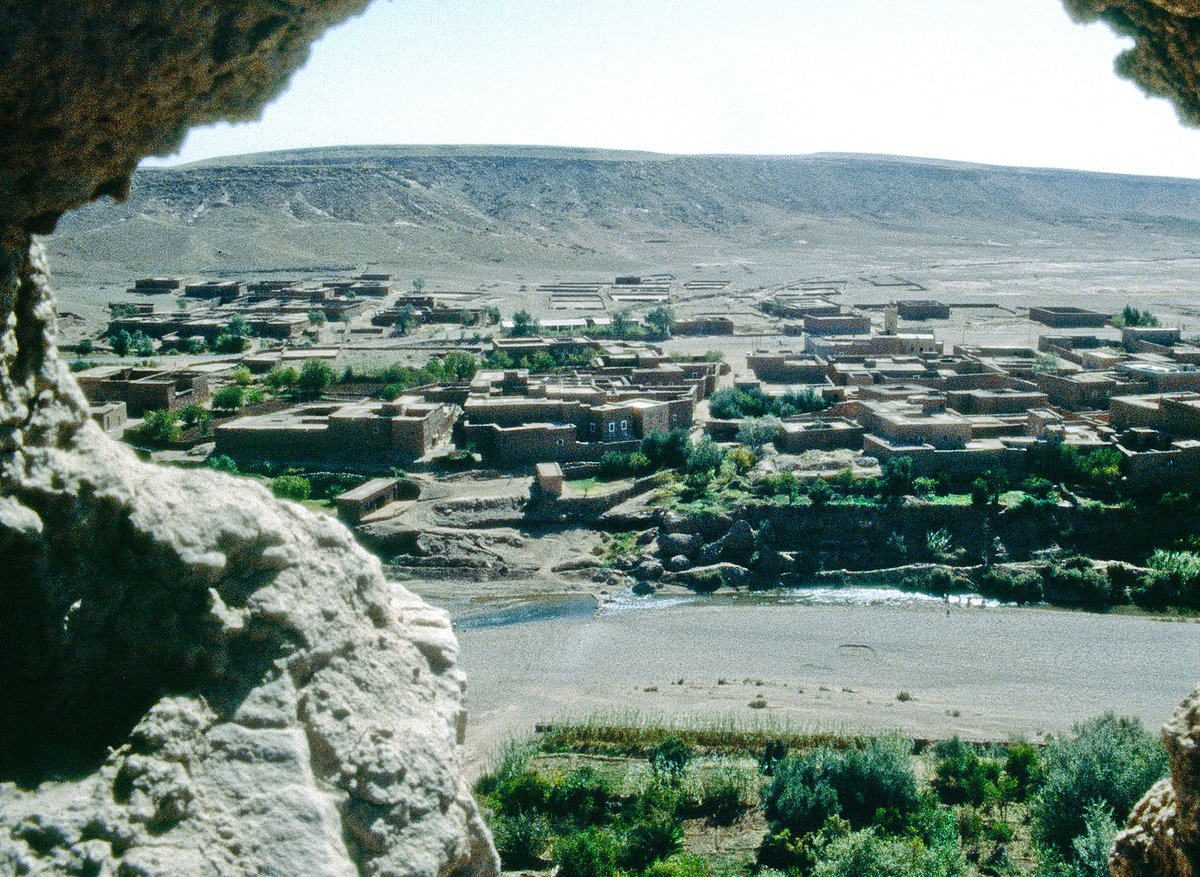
x=865, y=854
x=84, y=347
x=874, y=785
x=1023, y=764
x=281, y=378
x=962, y=777
x=522, y=839
x=667, y=450
x=229, y=398
x=580, y=799
x=196, y=346
x=223, y=463
x=1075, y=582
x=687, y=866
x=755, y=432
x=1109, y=759
x=591, y=853
x=647, y=841
x=241, y=376
x=230, y=344
x=705, y=459
x=314, y=377
x=1011, y=587
x=161, y=427
x=295, y=487
x=1178, y=576
x=670, y=757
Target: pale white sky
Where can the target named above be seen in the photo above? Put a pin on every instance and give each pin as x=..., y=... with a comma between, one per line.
x=975, y=80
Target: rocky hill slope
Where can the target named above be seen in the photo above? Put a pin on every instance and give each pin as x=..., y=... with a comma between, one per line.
x=528, y=206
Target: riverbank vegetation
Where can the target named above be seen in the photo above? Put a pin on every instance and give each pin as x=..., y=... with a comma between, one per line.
x=659, y=799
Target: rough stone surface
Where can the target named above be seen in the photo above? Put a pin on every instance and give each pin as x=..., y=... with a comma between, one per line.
x=198, y=678
x=670, y=544
x=1162, y=836
x=1165, y=58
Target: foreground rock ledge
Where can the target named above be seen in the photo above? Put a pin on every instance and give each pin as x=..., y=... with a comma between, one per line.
x=1162, y=838
x=199, y=678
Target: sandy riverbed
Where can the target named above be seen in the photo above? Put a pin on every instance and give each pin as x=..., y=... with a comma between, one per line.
x=979, y=672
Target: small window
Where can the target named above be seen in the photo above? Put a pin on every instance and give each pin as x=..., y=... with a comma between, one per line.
x=612, y=427
x=562, y=443
x=624, y=426
x=591, y=427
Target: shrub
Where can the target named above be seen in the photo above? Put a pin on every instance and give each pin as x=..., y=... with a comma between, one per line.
x=755, y=432
x=522, y=838
x=705, y=459
x=667, y=450
x=688, y=866
x=1023, y=764
x=121, y=342
x=295, y=487
x=670, y=757
x=865, y=854
x=281, y=378
x=962, y=777
x=647, y=841
x=229, y=398
x=161, y=427
x=896, y=479
x=84, y=347
x=819, y=493
x=230, y=344
x=874, y=785
x=1075, y=582
x=1108, y=759
x=241, y=376
x=196, y=345
x=1011, y=587
x=581, y=798
x=1179, y=576
x=223, y=463
x=314, y=377
x=591, y=853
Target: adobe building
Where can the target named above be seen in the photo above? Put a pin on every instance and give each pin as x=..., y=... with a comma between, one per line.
x=786, y=367
x=1061, y=317
x=922, y=309
x=356, y=503
x=369, y=431
x=144, y=389
x=837, y=324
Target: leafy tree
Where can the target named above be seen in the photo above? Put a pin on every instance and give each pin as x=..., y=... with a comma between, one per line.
x=705, y=458
x=194, y=414
x=281, y=378
x=524, y=324
x=405, y=318
x=755, y=432
x=1109, y=760
x=820, y=493
x=223, y=463
x=161, y=427
x=229, y=343
x=661, y=320
x=896, y=479
x=316, y=317
x=418, y=283
x=622, y=323
x=229, y=398
x=141, y=344
x=238, y=327
x=714, y=356
x=667, y=450
x=459, y=366
x=121, y=342
x=314, y=378
x=241, y=376
x=84, y=347
x=196, y=345
x=1131, y=316
x=491, y=314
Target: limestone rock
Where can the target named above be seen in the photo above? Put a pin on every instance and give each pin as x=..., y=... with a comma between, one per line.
x=198, y=678
x=678, y=563
x=1162, y=836
x=647, y=570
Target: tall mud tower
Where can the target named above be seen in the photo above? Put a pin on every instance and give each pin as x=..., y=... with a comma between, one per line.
x=197, y=678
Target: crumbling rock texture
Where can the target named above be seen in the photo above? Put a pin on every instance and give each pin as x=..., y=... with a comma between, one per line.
x=198, y=678
x=1165, y=58
x=1162, y=837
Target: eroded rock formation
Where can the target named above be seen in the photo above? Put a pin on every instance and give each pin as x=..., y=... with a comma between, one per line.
x=198, y=678
x=1165, y=58
x=1162, y=838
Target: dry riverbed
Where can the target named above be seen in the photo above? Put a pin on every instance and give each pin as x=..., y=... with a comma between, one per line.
x=914, y=665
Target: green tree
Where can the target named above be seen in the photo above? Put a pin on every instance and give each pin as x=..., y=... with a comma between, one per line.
x=84, y=347
x=230, y=344
x=316, y=317
x=161, y=427
x=755, y=432
x=241, y=376
x=524, y=324
x=622, y=323
x=196, y=345
x=1109, y=759
x=418, y=284
x=705, y=458
x=238, y=327
x=459, y=366
x=121, y=342
x=281, y=378
x=896, y=479
x=661, y=320
x=314, y=378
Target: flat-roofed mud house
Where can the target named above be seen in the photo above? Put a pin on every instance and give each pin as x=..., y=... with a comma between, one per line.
x=144, y=389
x=367, y=431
